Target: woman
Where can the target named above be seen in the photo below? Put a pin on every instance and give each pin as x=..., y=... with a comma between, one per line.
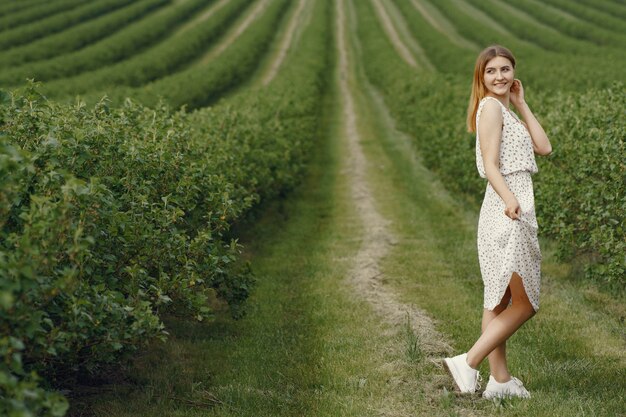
x=508, y=249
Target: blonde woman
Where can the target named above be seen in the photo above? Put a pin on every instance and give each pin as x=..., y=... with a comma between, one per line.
x=508, y=249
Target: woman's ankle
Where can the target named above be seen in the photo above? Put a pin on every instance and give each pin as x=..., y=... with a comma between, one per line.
x=471, y=361
x=501, y=377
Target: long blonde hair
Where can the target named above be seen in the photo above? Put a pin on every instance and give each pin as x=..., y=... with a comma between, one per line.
x=479, y=91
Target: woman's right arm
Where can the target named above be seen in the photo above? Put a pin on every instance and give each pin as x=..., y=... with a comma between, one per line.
x=490, y=133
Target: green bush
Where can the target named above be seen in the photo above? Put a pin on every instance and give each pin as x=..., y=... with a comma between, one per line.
x=72, y=38
x=111, y=216
x=58, y=22
x=116, y=47
x=581, y=194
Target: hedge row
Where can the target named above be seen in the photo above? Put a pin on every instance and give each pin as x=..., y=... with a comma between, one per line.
x=571, y=27
x=32, y=14
x=202, y=84
x=595, y=68
x=581, y=187
x=612, y=8
x=122, y=44
x=45, y=27
x=166, y=58
x=531, y=31
x=604, y=20
x=76, y=37
x=112, y=216
x=16, y=6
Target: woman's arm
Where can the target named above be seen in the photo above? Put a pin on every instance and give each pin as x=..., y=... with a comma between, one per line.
x=541, y=143
x=490, y=134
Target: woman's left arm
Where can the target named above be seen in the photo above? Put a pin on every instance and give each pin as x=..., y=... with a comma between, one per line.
x=541, y=143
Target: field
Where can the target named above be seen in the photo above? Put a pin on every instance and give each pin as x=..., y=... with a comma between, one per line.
x=269, y=207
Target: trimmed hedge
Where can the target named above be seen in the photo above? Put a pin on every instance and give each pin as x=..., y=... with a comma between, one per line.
x=77, y=36
x=169, y=56
x=31, y=14
x=201, y=85
x=28, y=33
x=116, y=47
x=111, y=216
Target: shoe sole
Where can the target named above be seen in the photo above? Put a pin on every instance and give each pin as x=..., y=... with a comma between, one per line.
x=454, y=373
x=489, y=395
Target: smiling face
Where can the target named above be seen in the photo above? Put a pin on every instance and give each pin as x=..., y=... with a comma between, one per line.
x=498, y=76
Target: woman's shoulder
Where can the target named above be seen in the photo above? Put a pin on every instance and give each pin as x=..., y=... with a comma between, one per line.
x=488, y=98
x=486, y=103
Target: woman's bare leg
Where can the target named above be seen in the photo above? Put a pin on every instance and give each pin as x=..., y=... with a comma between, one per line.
x=501, y=327
x=497, y=358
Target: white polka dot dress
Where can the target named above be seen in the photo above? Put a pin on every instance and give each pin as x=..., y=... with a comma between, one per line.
x=505, y=245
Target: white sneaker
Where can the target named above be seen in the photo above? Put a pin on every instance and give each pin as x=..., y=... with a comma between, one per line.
x=511, y=388
x=465, y=377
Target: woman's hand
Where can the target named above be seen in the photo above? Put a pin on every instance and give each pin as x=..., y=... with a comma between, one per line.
x=517, y=93
x=512, y=209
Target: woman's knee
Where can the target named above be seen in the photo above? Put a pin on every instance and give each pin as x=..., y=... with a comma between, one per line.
x=524, y=308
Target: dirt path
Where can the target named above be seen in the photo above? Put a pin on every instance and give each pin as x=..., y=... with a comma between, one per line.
x=378, y=239
x=285, y=44
x=202, y=17
x=401, y=26
x=439, y=22
x=233, y=34
x=394, y=37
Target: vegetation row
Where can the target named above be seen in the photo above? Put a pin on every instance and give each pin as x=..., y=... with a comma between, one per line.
x=32, y=14
x=201, y=84
x=169, y=56
x=76, y=37
x=118, y=46
x=14, y=6
x=28, y=33
x=580, y=187
x=112, y=217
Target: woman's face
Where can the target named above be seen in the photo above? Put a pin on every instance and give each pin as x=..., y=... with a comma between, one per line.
x=499, y=75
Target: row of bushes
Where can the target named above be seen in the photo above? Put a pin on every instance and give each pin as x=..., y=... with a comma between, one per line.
x=581, y=194
x=543, y=36
x=15, y=6
x=112, y=216
x=58, y=22
x=595, y=67
x=202, y=84
x=75, y=37
x=122, y=44
x=167, y=57
x=607, y=6
x=32, y=14
x=605, y=20
x=575, y=28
